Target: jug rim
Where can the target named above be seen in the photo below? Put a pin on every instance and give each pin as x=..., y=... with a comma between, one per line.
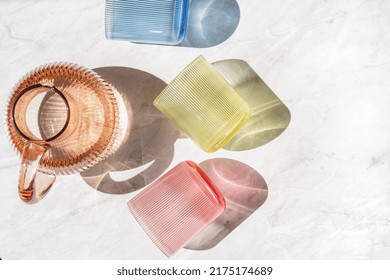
x=17, y=99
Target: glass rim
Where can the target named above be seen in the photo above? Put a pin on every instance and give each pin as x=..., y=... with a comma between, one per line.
x=178, y=76
x=27, y=90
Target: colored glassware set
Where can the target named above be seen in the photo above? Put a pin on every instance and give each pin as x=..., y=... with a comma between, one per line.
x=63, y=118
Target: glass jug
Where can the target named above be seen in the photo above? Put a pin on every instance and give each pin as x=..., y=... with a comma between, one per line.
x=62, y=118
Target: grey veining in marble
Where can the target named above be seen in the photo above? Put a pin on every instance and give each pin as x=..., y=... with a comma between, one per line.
x=328, y=174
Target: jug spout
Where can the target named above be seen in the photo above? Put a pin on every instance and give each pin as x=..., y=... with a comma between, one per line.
x=33, y=185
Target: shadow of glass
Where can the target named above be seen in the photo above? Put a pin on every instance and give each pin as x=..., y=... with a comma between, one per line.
x=244, y=190
x=210, y=22
x=269, y=116
x=147, y=148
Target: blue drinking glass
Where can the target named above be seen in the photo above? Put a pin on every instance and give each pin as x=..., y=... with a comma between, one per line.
x=147, y=21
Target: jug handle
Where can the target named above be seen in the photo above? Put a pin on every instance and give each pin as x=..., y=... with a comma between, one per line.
x=32, y=190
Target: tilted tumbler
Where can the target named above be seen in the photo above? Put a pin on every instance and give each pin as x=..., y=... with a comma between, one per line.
x=147, y=21
x=177, y=206
x=203, y=105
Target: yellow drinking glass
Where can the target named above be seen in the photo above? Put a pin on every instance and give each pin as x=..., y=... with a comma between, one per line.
x=203, y=105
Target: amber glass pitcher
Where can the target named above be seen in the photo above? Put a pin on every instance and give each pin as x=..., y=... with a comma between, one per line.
x=62, y=118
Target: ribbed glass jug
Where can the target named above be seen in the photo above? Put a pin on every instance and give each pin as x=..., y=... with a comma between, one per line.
x=61, y=118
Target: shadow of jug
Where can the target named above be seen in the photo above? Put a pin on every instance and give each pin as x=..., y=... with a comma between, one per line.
x=148, y=145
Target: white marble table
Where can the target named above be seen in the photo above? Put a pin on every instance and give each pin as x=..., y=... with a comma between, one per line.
x=328, y=174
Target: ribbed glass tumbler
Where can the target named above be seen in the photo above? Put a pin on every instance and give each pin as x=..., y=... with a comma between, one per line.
x=147, y=21
x=176, y=207
x=203, y=105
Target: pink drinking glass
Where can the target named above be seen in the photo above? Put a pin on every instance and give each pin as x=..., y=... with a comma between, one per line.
x=176, y=207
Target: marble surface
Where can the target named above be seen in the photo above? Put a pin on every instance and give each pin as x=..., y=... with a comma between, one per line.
x=328, y=174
